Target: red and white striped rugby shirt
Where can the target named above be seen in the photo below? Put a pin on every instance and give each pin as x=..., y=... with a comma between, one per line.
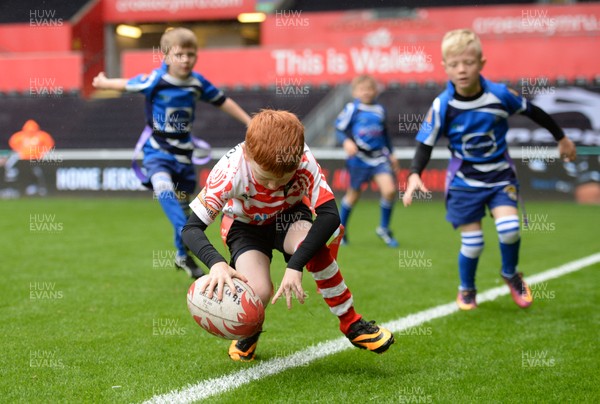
x=231, y=189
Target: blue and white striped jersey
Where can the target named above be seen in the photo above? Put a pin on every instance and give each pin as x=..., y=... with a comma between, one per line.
x=366, y=125
x=476, y=131
x=170, y=109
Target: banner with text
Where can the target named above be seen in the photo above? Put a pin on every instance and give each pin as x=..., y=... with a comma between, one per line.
x=174, y=10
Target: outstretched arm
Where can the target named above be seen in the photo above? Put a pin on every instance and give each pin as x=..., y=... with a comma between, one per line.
x=233, y=109
x=566, y=147
x=102, y=82
x=325, y=224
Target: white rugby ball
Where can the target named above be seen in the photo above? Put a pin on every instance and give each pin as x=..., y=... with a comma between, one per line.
x=238, y=315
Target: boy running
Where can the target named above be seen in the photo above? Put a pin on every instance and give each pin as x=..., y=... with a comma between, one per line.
x=361, y=129
x=473, y=113
x=171, y=93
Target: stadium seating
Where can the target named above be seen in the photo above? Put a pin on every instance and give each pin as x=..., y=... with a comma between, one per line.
x=18, y=11
x=76, y=123
x=114, y=123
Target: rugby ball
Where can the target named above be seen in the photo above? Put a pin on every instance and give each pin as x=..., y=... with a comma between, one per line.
x=238, y=315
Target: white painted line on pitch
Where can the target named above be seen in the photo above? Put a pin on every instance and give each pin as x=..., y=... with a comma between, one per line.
x=218, y=385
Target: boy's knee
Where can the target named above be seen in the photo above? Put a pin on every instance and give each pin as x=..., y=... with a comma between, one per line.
x=389, y=195
x=508, y=229
x=472, y=243
x=509, y=237
x=265, y=292
x=161, y=182
x=350, y=198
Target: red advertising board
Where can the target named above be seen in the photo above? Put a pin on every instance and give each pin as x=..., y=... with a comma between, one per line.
x=531, y=57
x=41, y=74
x=174, y=10
x=402, y=27
x=311, y=48
x=43, y=36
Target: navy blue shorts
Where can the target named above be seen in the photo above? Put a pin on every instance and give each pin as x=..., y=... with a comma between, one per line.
x=362, y=175
x=183, y=175
x=464, y=207
x=244, y=237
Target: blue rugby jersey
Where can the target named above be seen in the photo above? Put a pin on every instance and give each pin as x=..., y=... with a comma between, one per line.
x=366, y=125
x=170, y=109
x=476, y=131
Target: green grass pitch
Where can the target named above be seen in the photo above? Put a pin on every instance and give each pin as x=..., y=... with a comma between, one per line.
x=93, y=311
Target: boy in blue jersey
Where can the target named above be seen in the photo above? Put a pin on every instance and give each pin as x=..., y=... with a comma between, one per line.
x=171, y=93
x=361, y=129
x=472, y=113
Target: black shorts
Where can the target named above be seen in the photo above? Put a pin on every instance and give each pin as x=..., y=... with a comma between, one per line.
x=244, y=237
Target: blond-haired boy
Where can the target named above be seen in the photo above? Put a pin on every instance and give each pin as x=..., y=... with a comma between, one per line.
x=472, y=113
x=171, y=93
x=361, y=129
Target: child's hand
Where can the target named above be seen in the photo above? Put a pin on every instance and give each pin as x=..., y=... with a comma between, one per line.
x=104, y=83
x=99, y=81
x=291, y=283
x=219, y=275
x=567, y=149
x=350, y=147
x=413, y=184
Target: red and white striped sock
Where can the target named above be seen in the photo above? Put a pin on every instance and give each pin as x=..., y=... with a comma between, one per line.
x=325, y=271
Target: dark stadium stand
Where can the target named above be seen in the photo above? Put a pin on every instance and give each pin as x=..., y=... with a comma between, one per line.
x=76, y=123
x=15, y=11
x=222, y=131
x=336, y=5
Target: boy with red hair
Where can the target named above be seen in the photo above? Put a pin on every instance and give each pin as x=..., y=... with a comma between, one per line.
x=266, y=188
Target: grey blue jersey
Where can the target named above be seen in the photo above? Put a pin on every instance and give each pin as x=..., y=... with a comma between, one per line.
x=476, y=130
x=365, y=124
x=170, y=109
